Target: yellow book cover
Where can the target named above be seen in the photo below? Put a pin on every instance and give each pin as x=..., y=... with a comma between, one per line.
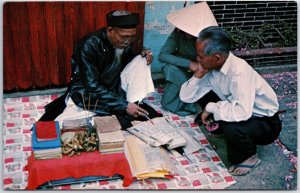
x=146, y=161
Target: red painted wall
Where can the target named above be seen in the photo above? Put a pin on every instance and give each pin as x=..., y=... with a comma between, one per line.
x=38, y=39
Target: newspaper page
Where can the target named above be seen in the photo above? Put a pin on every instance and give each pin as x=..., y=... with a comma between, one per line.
x=158, y=131
x=192, y=144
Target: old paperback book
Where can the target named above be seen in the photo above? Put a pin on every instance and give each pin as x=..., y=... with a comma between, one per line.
x=147, y=161
x=48, y=156
x=46, y=130
x=113, y=150
x=111, y=141
x=105, y=146
x=73, y=124
x=107, y=124
x=111, y=137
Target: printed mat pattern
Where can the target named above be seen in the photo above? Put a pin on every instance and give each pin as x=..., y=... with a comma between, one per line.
x=206, y=171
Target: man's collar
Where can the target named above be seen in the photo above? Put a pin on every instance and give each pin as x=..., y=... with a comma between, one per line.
x=106, y=38
x=227, y=64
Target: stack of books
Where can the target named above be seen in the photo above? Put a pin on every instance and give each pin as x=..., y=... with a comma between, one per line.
x=46, y=143
x=111, y=139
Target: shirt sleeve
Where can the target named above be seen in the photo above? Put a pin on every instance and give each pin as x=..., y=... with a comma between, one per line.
x=239, y=105
x=168, y=52
x=194, y=89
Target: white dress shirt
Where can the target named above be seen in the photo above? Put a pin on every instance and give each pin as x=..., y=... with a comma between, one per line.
x=243, y=92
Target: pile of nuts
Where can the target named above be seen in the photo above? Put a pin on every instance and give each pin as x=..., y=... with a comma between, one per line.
x=74, y=143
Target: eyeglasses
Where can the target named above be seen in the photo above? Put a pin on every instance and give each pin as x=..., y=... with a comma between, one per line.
x=126, y=38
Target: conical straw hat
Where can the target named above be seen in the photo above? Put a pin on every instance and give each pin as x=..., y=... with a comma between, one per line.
x=193, y=19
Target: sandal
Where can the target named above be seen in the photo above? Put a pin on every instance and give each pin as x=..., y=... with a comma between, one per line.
x=250, y=167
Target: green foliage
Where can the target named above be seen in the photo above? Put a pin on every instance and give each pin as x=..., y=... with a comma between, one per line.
x=266, y=35
x=289, y=36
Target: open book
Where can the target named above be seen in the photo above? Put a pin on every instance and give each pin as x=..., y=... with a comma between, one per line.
x=158, y=131
x=146, y=161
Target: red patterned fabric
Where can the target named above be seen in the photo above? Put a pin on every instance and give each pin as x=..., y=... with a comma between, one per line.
x=87, y=164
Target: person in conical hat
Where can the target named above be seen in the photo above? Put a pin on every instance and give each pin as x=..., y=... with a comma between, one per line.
x=179, y=55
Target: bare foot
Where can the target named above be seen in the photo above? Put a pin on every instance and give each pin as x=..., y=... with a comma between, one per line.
x=245, y=167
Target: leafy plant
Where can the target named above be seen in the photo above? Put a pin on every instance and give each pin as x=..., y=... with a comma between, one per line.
x=265, y=36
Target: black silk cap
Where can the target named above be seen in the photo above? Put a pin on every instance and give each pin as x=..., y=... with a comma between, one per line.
x=122, y=21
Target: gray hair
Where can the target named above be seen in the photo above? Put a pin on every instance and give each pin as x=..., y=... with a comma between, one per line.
x=217, y=40
x=121, y=13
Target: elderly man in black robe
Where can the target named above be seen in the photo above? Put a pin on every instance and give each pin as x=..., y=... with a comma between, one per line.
x=97, y=62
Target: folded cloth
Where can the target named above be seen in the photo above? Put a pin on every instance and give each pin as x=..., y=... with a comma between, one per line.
x=87, y=164
x=136, y=79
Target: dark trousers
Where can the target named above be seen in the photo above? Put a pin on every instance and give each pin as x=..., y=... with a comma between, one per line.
x=209, y=97
x=242, y=137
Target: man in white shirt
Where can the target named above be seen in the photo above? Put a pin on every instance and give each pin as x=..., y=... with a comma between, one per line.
x=247, y=111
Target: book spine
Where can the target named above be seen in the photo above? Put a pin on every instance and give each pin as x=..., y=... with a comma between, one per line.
x=110, y=145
